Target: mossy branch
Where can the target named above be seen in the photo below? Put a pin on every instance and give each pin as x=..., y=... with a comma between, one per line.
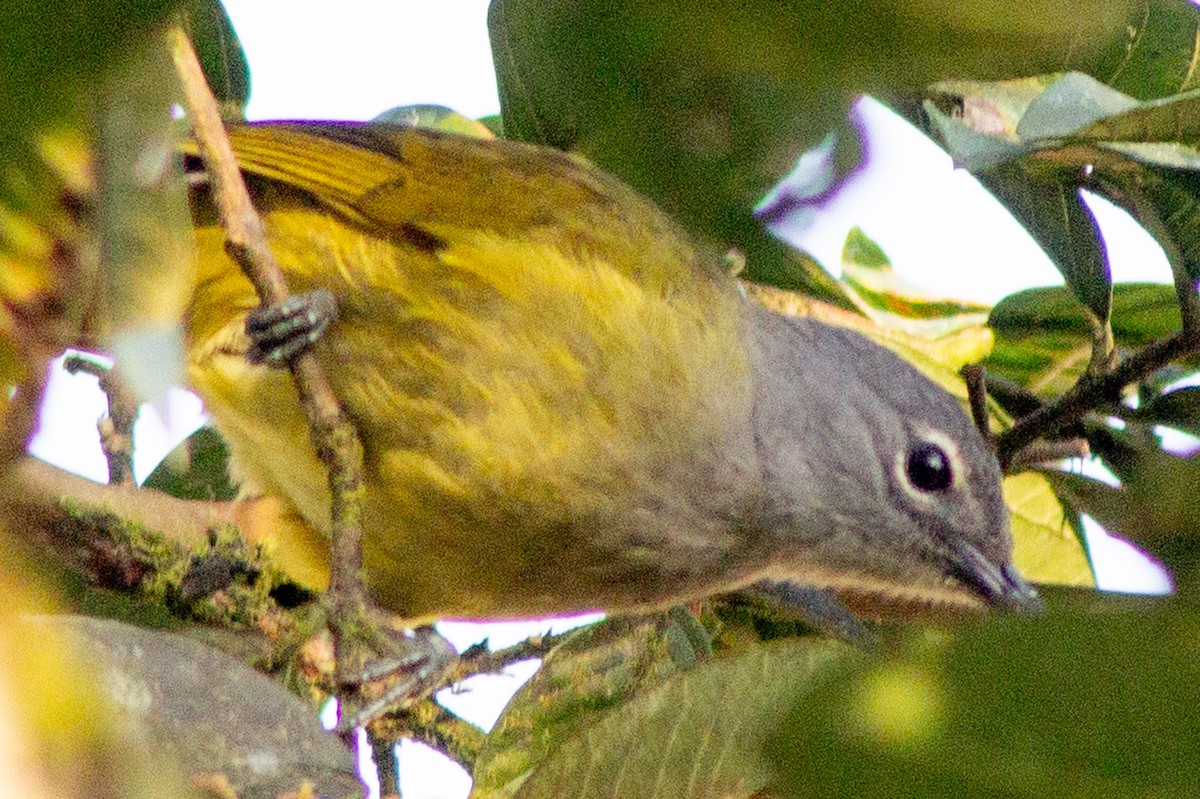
x=334, y=437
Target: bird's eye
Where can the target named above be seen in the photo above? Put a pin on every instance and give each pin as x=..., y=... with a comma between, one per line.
x=928, y=468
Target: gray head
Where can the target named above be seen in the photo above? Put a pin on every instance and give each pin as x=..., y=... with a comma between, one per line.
x=879, y=481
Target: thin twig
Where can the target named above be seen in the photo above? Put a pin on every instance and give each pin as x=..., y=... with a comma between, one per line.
x=1090, y=392
x=479, y=660
x=431, y=724
x=976, y=379
x=116, y=427
x=335, y=439
x=1040, y=453
x=1103, y=351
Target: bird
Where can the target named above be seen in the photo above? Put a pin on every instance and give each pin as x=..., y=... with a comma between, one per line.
x=566, y=404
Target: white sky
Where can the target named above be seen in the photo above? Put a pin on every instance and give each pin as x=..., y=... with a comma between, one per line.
x=353, y=59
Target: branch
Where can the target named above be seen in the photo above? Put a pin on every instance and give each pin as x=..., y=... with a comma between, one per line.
x=335, y=439
x=431, y=724
x=479, y=660
x=1090, y=392
x=116, y=427
x=976, y=379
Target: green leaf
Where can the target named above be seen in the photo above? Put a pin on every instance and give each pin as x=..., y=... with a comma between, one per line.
x=1155, y=510
x=142, y=221
x=1170, y=119
x=885, y=297
x=221, y=55
x=1157, y=54
x=51, y=54
x=701, y=732
x=1179, y=409
x=435, y=117
x=196, y=469
x=703, y=106
x=1070, y=103
x=1170, y=211
x=1042, y=335
x=1048, y=549
x=1061, y=223
x=1074, y=703
x=597, y=669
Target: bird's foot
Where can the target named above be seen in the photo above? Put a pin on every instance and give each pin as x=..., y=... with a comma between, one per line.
x=280, y=332
x=818, y=607
x=380, y=663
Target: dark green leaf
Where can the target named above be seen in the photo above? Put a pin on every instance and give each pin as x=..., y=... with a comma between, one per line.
x=1157, y=55
x=704, y=106
x=1174, y=196
x=1179, y=409
x=701, y=732
x=1043, y=340
x=595, y=670
x=221, y=55
x=52, y=54
x=1076, y=704
x=1056, y=216
x=1153, y=510
x=1141, y=313
x=196, y=469
x=1170, y=119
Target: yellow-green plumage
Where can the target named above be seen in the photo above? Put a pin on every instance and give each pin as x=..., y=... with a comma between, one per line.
x=544, y=373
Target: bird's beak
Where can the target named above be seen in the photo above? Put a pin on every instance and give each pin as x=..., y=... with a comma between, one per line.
x=1000, y=586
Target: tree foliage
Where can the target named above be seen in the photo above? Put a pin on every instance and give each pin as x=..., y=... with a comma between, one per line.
x=705, y=107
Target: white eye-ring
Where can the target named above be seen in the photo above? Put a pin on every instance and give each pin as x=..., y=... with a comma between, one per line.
x=930, y=467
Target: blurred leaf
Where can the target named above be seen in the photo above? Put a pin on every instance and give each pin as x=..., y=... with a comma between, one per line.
x=1079, y=133
x=142, y=221
x=1047, y=547
x=1127, y=451
x=221, y=55
x=700, y=732
x=985, y=108
x=975, y=150
x=1156, y=508
x=1157, y=55
x=1044, y=199
x=1069, y=104
x=1171, y=212
x=435, y=117
x=887, y=298
x=1068, y=704
x=1170, y=119
x=494, y=123
x=704, y=106
x=51, y=53
x=213, y=714
x=1142, y=312
x=196, y=469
